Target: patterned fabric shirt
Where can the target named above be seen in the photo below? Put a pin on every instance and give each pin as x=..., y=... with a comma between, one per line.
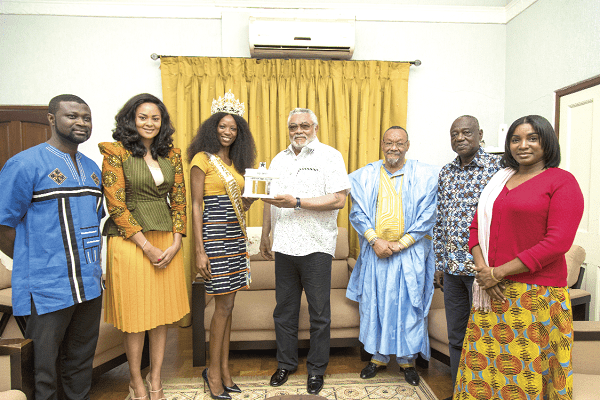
x=56, y=209
x=458, y=195
x=316, y=171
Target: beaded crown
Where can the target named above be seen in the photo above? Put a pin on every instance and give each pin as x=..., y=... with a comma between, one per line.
x=228, y=104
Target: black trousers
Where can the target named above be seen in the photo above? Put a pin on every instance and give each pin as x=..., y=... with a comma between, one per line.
x=458, y=297
x=293, y=274
x=65, y=339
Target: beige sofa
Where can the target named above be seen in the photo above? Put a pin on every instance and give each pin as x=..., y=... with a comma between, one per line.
x=252, y=324
x=580, y=300
x=586, y=366
x=109, y=351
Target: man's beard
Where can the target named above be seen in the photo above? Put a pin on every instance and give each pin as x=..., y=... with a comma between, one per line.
x=71, y=136
x=393, y=160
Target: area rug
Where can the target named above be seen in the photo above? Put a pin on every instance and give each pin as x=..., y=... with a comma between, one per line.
x=385, y=385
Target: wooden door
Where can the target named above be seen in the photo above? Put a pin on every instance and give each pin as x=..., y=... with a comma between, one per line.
x=579, y=136
x=22, y=127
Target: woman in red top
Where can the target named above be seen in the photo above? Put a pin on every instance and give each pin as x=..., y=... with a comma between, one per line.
x=519, y=336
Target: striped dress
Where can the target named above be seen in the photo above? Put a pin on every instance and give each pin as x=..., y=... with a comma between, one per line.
x=224, y=241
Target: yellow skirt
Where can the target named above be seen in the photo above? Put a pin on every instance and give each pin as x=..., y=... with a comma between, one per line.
x=138, y=295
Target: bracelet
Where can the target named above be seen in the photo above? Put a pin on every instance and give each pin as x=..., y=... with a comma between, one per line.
x=493, y=277
x=144, y=244
x=297, y=204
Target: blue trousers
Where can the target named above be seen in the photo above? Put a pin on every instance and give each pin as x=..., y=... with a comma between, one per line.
x=65, y=338
x=293, y=274
x=458, y=297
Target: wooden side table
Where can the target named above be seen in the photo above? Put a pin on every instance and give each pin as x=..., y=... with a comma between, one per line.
x=20, y=354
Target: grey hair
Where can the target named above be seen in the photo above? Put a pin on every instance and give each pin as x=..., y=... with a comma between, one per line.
x=312, y=115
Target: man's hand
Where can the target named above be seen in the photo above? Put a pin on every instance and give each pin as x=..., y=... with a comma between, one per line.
x=438, y=277
x=282, y=201
x=383, y=248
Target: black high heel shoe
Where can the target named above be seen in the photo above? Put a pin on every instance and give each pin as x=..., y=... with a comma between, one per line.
x=232, y=389
x=222, y=396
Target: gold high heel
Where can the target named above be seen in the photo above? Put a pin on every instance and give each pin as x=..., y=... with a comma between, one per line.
x=132, y=395
x=153, y=391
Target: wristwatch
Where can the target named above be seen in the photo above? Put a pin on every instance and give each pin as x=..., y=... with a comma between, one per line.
x=373, y=240
x=297, y=203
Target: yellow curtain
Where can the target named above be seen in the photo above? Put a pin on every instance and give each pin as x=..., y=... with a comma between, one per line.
x=355, y=102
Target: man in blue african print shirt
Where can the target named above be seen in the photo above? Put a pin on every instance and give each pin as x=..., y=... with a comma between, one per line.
x=50, y=213
x=459, y=185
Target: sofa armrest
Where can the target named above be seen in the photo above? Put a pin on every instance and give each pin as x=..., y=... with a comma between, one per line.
x=351, y=264
x=586, y=337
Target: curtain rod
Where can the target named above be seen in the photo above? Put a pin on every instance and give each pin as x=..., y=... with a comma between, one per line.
x=155, y=57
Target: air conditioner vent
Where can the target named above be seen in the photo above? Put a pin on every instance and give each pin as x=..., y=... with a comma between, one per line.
x=301, y=38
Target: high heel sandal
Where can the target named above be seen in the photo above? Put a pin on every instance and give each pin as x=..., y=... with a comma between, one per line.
x=132, y=395
x=222, y=396
x=232, y=389
x=153, y=391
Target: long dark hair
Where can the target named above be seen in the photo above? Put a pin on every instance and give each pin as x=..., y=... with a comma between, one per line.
x=548, y=141
x=126, y=131
x=242, y=151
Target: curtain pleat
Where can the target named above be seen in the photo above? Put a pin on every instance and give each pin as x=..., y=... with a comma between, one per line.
x=355, y=102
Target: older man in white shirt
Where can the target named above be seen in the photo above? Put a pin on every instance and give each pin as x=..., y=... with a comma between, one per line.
x=312, y=187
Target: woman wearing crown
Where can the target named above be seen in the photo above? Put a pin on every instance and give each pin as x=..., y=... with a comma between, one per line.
x=219, y=154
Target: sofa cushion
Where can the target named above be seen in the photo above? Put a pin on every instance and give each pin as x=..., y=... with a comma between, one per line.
x=5, y=276
x=586, y=387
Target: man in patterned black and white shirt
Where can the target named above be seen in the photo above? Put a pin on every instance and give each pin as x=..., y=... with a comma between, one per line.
x=312, y=186
x=459, y=185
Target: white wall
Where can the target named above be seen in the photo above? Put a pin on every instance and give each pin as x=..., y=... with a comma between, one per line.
x=107, y=60
x=551, y=45
x=462, y=73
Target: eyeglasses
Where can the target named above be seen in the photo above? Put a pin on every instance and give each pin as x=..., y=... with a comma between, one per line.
x=304, y=127
x=397, y=144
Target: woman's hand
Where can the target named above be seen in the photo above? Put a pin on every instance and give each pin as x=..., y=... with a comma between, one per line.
x=203, y=266
x=154, y=254
x=497, y=292
x=265, y=248
x=166, y=257
x=484, y=276
x=247, y=202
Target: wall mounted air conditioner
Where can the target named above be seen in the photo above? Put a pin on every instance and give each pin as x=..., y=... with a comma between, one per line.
x=301, y=38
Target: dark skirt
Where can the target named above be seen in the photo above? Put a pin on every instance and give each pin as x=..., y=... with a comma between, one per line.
x=225, y=245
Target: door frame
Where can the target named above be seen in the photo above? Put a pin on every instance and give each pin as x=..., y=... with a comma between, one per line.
x=576, y=87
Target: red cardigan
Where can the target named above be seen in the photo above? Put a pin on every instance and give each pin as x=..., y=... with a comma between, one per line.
x=536, y=222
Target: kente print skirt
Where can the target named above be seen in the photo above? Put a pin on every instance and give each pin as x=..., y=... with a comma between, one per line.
x=225, y=246
x=520, y=350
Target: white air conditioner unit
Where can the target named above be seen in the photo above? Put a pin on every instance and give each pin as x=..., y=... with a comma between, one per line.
x=301, y=38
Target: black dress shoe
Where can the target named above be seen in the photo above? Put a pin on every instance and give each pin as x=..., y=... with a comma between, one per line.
x=232, y=389
x=371, y=370
x=411, y=376
x=280, y=377
x=222, y=396
x=314, y=384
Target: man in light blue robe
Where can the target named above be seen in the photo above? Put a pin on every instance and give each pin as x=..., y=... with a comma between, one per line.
x=393, y=277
